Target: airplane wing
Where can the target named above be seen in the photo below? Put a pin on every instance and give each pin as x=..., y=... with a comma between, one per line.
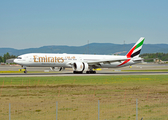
x=106, y=61
x=103, y=61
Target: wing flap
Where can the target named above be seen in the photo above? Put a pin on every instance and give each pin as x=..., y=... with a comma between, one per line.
x=106, y=61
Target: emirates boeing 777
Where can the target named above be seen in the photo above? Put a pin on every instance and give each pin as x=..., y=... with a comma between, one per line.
x=81, y=63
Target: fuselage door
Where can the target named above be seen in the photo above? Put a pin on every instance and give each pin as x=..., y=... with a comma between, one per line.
x=30, y=59
x=80, y=59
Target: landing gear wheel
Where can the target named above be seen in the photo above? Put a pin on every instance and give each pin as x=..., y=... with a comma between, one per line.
x=77, y=72
x=25, y=71
x=90, y=72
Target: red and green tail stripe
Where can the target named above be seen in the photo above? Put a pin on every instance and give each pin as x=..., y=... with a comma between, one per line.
x=136, y=49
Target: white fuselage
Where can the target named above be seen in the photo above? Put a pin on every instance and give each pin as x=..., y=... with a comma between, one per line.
x=66, y=60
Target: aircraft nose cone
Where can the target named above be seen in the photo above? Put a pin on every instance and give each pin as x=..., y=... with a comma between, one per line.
x=15, y=60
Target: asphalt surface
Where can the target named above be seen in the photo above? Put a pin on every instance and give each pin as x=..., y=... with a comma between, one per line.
x=145, y=66
x=69, y=72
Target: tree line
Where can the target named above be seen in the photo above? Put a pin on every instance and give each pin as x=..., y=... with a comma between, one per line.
x=5, y=57
x=148, y=57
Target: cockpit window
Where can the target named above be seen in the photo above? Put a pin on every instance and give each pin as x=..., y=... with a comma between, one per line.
x=19, y=57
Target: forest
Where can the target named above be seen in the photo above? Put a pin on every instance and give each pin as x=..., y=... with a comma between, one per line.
x=148, y=57
x=5, y=57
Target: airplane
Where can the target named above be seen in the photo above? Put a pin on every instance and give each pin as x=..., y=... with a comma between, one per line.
x=81, y=63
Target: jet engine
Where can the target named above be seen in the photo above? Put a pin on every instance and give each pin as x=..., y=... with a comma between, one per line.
x=80, y=66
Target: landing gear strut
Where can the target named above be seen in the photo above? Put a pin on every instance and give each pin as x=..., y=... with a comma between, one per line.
x=25, y=71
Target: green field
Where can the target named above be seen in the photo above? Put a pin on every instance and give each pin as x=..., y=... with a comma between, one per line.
x=34, y=98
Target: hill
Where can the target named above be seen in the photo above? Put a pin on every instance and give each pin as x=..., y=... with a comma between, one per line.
x=93, y=48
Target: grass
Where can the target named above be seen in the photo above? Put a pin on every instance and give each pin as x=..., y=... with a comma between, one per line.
x=35, y=97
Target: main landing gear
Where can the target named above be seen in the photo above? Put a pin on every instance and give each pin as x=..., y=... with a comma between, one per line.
x=90, y=72
x=77, y=72
x=87, y=72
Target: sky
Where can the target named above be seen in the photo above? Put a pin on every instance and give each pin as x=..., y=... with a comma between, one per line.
x=37, y=23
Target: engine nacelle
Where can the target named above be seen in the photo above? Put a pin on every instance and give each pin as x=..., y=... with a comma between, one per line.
x=80, y=66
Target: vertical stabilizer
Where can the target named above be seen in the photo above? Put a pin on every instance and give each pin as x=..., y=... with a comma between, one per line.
x=136, y=49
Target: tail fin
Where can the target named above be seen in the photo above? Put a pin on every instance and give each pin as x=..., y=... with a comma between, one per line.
x=136, y=49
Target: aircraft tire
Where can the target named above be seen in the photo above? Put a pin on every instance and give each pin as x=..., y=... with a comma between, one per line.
x=25, y=71
x=90, y=72
x=77, y=72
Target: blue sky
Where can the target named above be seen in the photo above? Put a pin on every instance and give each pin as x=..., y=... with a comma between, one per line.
x=36, y=23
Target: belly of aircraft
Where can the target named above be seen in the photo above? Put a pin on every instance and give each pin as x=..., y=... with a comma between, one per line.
x=46, y=65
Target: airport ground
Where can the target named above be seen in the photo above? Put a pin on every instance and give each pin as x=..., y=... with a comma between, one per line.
x=34, y=96
x=77, y=97
x=144, y=66
x=138, y=69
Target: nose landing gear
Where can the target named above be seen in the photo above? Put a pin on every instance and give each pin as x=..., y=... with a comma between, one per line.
x=24, y=69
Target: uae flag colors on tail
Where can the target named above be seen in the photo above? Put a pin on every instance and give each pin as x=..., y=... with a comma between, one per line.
x=136, y=49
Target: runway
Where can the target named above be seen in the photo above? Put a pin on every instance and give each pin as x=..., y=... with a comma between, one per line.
x=71, y=74
x=39, y=71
